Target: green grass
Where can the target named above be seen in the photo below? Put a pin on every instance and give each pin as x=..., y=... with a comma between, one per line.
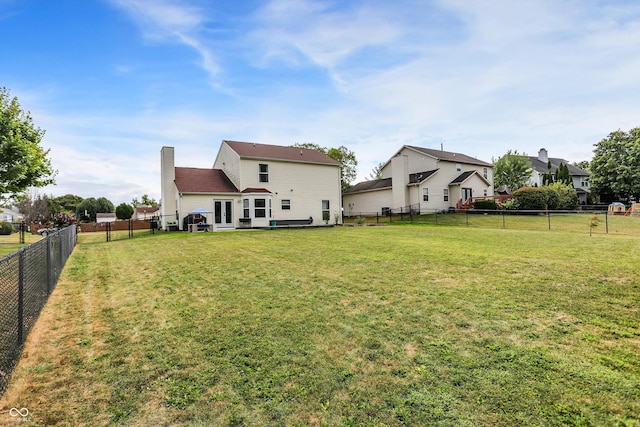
x=565, y=222
x=410, y=325
x=11, y=243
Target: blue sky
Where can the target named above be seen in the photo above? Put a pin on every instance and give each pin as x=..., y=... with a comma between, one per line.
x=112, y=81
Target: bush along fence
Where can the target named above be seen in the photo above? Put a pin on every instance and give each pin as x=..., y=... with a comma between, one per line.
x=27, y=278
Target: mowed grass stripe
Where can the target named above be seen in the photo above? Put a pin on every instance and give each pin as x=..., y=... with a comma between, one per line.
x=411, y=325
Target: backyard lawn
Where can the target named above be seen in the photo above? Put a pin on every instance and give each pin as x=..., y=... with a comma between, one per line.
x=383, y=326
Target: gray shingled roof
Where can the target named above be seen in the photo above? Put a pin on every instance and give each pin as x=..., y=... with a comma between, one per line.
x=542, y=167
x=450, y=156
x=250, y=150
x=415, y=178
x=462, y=177
x=375, y=184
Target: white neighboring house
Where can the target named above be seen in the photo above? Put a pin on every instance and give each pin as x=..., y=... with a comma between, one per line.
x=145, y=212
x=421, y=179
x=105, y=217
x=9, y=215
x=540, y=165
x=252, y=186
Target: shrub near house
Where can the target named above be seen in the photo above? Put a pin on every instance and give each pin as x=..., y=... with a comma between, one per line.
x=555, y=196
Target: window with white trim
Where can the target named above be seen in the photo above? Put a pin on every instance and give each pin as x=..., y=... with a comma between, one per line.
x=425, y=194
x=445, y=194
x=260, y=206
x=285, y=205
x=246, y=211
x=263, y=172
x=485, y=173
x=458, y=167
x=326, y=211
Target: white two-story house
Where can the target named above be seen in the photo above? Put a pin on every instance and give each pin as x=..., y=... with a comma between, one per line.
x=421, y=179
x=252, y=185
x=540, y=166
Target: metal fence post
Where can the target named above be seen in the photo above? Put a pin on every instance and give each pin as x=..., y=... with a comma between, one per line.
x=20, y=297
x=549, y=219
x=48, y=255
x=606, y=221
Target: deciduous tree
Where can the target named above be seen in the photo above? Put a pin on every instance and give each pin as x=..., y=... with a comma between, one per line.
x=23, y=161
x=615, y=168
x=512, y=170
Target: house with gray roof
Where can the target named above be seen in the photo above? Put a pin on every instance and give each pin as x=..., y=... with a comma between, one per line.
x=541, y=163
x=252, y=185
x=421, y=179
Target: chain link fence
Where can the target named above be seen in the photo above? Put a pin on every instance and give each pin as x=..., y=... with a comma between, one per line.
x=27, y=278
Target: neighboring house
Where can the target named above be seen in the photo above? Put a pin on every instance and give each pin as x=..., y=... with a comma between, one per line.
x=540, y=166
x=145, y=212
x=421, y=179
x=252, y=185
x=9, y=215
x=105, y=217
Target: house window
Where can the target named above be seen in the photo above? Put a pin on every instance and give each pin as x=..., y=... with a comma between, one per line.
x=485, y=173
x=326, y=212
x=458, y=167
x=445, y=194
x=264, y=172
x=245, y=208
x=286, y=205
x=485, y=192
x=425, y=194
x=260, y=210
x=584, y=181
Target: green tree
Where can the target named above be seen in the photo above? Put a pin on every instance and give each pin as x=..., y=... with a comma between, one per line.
x=88, y=208
x=35, y=207
x=146, y=201
x=615, y=168
x=124, y=211
x=563, y=175
x=23, y=161
x=67, y=203
x=512, y=170
x=343, y=155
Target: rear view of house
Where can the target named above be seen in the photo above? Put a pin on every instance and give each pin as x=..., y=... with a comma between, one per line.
x=421, y=179
x=252, y=185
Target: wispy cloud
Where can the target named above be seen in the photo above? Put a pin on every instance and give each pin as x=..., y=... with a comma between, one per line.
x=164, y=20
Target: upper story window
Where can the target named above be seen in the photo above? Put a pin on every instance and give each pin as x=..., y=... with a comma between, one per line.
x=485, y=173
x=264, y=172
x=458, y=167
x=584, y=181
x=286, y=205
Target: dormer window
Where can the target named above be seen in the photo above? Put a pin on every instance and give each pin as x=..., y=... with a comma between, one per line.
x=264, y=172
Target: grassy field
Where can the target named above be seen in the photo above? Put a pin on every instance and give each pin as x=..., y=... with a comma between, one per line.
x=582, y=222
x=11, y=243
x=381, y=326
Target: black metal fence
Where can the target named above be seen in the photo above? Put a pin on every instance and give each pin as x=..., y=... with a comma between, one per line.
x=27, y=278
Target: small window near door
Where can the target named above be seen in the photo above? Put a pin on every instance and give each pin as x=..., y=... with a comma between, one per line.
x=286, y=205
x=425, y=194
x=246, y=212
x=326, y=211
x=445, y=194
x=264, y=172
